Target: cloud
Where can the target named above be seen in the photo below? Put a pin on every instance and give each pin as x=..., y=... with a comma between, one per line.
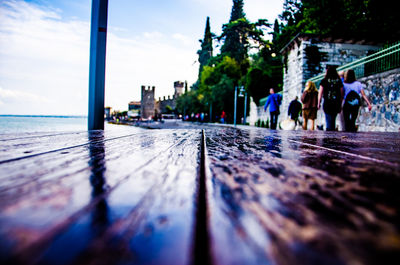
x=183, y=39
x=21, y=96
x=254, y=9
x=132, y=63
x=260, y=9
x=153, y=35
x=45, y=58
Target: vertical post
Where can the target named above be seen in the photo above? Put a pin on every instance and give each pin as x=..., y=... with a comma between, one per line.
x=234, y=112
x=245, y=108
x=210, y=119
x=97, y=64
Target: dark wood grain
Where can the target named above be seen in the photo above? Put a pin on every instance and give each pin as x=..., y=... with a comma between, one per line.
x=281, y=201
x=134, y=193
x=179, y=196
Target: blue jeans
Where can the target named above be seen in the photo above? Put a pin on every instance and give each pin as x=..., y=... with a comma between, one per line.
x=330, y=121
x=274, y=119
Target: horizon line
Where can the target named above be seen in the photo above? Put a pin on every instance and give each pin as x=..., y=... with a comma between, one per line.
x=43, y=116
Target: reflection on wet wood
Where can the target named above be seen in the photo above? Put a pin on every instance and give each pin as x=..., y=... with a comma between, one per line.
x=281, y=201
x=124, y=199
x=233, y=196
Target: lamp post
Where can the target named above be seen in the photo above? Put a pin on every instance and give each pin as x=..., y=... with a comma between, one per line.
x=245, y=108
x=210, y=118
x=234, y=110
x=235, y=105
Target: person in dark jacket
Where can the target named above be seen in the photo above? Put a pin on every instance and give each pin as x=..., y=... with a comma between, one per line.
x=331, y=90
x=294, y=110
x=273, y=101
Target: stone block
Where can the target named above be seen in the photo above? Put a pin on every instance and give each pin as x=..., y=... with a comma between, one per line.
x=396, y=118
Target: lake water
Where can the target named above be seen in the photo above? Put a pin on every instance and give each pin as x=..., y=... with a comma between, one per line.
x=30, y=124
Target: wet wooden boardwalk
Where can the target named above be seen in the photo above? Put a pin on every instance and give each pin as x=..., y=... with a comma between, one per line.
x=200, y=195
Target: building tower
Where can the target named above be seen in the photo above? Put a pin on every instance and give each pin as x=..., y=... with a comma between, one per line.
x=178, y=85
x=148, y=102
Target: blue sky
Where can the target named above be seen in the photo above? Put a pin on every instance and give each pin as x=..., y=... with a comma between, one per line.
x=44, y=49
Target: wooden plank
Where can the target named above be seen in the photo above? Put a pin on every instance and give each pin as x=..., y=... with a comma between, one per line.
x=278, y=201
x=26, y=145
x=379, y=146
x=123, y=200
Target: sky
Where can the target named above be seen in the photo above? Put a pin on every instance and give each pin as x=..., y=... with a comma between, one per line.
x=44, y=49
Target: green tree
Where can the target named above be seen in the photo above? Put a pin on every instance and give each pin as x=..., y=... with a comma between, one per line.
x=232, y=33
x=217, y=85
x=206, y=51
x=266, y=71
x=368, y=20
x=188, y=103
x=237, y=33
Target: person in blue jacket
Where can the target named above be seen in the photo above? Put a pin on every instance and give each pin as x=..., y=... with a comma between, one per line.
x=273, y=101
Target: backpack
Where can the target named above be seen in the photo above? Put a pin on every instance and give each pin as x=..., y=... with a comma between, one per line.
x=353, y=99
x=332, y=95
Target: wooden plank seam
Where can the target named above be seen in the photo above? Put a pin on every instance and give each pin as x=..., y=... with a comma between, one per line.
x=201, y=250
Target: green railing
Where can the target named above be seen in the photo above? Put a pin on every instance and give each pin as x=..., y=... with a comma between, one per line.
x=383, y=60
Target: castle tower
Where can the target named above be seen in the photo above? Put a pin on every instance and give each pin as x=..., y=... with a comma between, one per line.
x=148, y=102
x=178, y=85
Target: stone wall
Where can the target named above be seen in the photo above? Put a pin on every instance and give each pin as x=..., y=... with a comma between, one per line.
x=161, y=104
x=383, y=91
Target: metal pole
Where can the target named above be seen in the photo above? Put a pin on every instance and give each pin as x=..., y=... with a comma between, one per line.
x=97, y=64
x=245, y=108
x=234, y=112
x=210, y=119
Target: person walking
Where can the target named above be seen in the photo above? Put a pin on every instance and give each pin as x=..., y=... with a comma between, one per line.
x=331, y=90
x=223, y=116
x=273, y=101
x=294, y=110
x=353, y=90
x=310, y=104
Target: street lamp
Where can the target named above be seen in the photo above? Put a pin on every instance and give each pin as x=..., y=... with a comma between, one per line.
x=245, y=108
x=236, y=95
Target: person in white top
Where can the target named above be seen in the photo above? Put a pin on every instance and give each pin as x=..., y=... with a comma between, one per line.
x=353, y=91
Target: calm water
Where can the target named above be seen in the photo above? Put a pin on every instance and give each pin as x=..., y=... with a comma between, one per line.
x=30, y=124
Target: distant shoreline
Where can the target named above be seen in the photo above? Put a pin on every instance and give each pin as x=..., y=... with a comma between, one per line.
x=42, y=116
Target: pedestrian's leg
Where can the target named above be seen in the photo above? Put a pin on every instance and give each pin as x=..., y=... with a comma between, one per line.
x=352, y=121
x=273, y=120
x=276, y=120
x=312, y=125
x=330, y=122
x=327, y=121
x=354, y=115
x=334, y=122
x=304, y=122
x=341, y=118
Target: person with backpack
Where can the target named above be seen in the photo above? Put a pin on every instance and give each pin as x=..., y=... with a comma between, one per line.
x=273, y=101
x=331, y=90
x=353, y=90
